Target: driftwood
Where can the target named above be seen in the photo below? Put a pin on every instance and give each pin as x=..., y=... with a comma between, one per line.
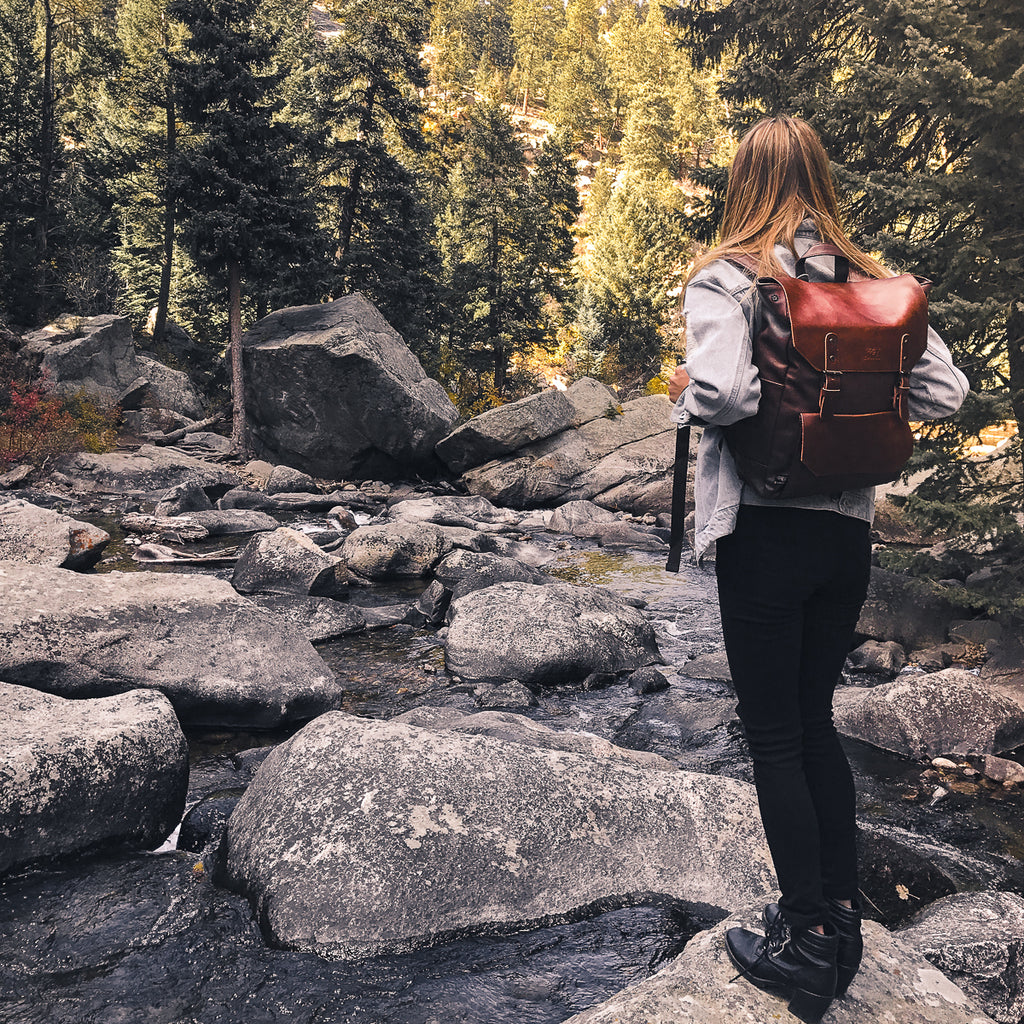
x=176, y=435
x=162, y=553
x=177, y=527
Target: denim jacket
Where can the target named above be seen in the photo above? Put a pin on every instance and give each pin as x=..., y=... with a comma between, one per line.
x=724, y=388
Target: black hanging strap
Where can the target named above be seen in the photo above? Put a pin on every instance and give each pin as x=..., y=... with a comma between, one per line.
x=676, y=536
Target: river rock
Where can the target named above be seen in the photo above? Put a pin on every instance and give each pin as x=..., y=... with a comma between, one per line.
x=430, y=607
x=288, y=562
x=462, y=565
x=395, y=550
x=77, y=774
x=468, y=832
x=219, y=658
x=149, y=472
x=29, y=533
x=896, y=985
x=515, y=425
x=284, y=479
x=502, y=725
x=557, y=633
x=621, y=461
x=910, y=610
x=977, y=940
x=921, y=716
x=316, y=618
x=170, y=389
x=580, y=518
x=454, y=510
x=332, y=390
x=186, y=497
x=221, y=522
x=874, y=656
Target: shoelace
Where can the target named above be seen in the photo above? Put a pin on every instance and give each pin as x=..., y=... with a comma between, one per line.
x=776, y=937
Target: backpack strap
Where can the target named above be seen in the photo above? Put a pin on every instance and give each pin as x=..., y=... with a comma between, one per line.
x=826, y=249
x=676, y=536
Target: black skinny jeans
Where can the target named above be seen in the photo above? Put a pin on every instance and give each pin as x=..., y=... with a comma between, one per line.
x=791, y=583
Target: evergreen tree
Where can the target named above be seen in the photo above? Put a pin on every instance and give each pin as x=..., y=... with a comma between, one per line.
x=247, y=214
x=577, y=93
x=500, y=243
x=537, y=26
x=370, y=81
x=20, y=151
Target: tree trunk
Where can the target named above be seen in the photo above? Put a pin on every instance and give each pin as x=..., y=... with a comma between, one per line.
x=47, y=145
x=1015, y=358
x=352, y=194
x=239, y=435
x=170, y=148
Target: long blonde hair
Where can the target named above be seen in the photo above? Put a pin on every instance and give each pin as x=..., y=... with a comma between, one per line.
x=779, y=176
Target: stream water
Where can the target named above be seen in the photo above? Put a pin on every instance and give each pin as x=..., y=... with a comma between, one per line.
x=137, y=938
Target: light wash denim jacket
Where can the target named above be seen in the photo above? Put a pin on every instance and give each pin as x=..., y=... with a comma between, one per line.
x=724, y=388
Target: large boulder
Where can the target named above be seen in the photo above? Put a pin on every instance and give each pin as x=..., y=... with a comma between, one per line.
x=621, y=460
x=926, y=715
x=332, y=390
x=95, y=354
x=359, y=836
x=508, y=428
x=977, y=940
x=895, y=985
x=398, y=550
x=32, y=534
x=219, y=658
x=554, y=633
x=77, y=774
x=149, y=472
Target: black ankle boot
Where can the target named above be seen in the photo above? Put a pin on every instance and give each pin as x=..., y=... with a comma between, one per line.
x=800, y=965
x=851, y=946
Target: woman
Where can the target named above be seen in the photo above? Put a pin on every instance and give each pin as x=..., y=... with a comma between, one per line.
x=792, y=573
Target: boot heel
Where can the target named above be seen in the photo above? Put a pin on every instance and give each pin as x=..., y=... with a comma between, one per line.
x=844, y=977
x=809, y=1006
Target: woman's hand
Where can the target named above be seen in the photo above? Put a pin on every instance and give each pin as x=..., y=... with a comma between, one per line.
x=677, y=383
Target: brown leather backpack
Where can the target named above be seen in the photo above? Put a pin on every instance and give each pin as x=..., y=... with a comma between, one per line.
x=834, y=359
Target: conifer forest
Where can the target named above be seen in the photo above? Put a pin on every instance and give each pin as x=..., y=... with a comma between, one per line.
x=518, y=185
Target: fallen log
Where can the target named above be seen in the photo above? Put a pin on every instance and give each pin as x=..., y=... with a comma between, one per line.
x=176, y=435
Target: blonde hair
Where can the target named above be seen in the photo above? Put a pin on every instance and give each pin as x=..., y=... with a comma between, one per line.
x=779, y=176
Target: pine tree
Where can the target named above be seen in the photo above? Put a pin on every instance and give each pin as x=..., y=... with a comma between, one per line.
x=247, y=214
x=370, y=81
x=502, y=242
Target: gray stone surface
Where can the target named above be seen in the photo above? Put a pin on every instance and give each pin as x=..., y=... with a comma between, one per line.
x=332, y=390
x=557, y=633
x=288, y=562
x=924, y=715
x=396, y=550
x=885, y=658
x=580, y=518
x=220, y=522
x=359, y=836
x=186, y=497
x=29, y=533
x=316, y=618
x=78, y=774
x=95, y=354
x=508, y=428
x=219, y=658
x=148, y=472
x=895, y=986
x=621, y=461
x=170, y=389
x=284, y=479
x=912, y=611
x=511, y=728
x=977, y=940
x=454, y=510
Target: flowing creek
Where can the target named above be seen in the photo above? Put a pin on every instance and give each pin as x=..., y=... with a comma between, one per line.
x=95, y=942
